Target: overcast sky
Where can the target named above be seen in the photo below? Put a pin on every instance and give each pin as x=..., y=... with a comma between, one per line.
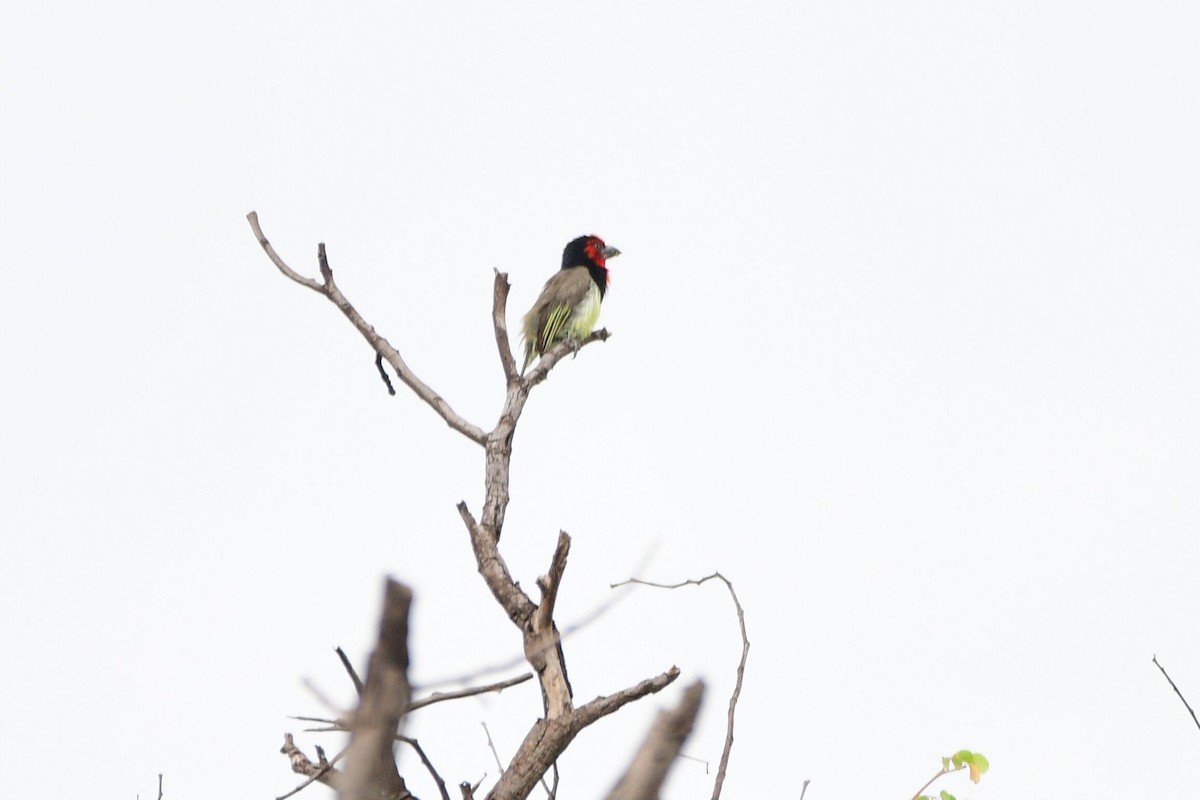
x=905, y=343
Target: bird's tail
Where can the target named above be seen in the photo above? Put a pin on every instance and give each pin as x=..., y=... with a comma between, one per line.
x=528, y=357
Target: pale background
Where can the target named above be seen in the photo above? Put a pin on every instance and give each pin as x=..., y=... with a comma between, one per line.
x=905, y=341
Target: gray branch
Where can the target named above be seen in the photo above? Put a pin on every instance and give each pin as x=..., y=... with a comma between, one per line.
x=381, y=345
x=371, y=763
x=654, y=758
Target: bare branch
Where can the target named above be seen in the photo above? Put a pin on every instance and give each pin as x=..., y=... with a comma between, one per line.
x=381, y=345
x=499, y=323
x=438, y=697
x=598, y=611
x=492, y=747
x=321, y=773
x=357, y=681
x=371, y=772
x=549, y=737
x=557, y=353
x=495, y=572
x=543, y=646
x=441, y=784
x=549, y=582
x=603, y=706
x=331, y=724
x=654, y=758
x=1176, y=688
x=279, y=262
x=741, y=668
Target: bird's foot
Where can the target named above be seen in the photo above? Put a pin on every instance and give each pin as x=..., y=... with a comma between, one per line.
x=575, y=345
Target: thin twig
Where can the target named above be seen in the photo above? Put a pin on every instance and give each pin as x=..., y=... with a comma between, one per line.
x=387, y=380
x=357, y=681
x=741, y=669
x=492, y=746
x=438, y=697
x=441, y=784
x=940, y=773
x=279, y=262
x=311, y=780
x=1176, y=688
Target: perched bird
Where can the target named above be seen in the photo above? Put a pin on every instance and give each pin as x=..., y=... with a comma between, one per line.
x=569, y=305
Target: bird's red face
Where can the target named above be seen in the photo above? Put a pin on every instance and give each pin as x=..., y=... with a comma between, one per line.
x=599, y=253
x=595, y=250
x=589, y=250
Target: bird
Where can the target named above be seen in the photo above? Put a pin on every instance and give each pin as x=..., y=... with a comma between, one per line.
x=569, y=305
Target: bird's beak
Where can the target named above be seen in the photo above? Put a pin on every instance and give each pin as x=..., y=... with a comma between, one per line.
x=610, y=252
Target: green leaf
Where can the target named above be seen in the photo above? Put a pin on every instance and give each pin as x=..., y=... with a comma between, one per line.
x=945, y=765
x=947, y=796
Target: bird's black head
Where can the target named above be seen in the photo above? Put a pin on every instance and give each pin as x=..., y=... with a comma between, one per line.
x=588, y=251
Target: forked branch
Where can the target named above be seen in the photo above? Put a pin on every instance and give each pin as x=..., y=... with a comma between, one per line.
x=382, y=347
x=385, y=694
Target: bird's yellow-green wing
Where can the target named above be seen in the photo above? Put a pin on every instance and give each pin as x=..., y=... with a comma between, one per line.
x=555, y=327
x=552, y=317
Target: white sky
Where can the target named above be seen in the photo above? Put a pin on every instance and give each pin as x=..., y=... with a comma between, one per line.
x=905, y=340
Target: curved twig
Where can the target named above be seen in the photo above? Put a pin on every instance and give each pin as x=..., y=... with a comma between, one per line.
x=741, y=668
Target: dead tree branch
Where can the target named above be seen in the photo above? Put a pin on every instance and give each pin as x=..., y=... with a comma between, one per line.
x=322, y=772
x=371, y=771
x=375, y=721
x=415, y=745
x=723, y=768
x=381, y=345
x=500, y=326
x=654, y=758
x=548, y=738
x=1176, y=688
x=346, y=665
x=436, y=697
